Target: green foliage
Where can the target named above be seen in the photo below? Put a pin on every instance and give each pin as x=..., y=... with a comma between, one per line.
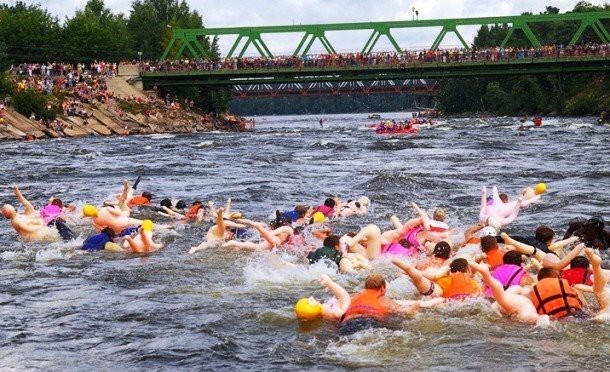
x=29, y=102
x=29, y=32
x=215, y=100
x=96, y=34
x=5, y=61
x=6, y=86
x=151, y=23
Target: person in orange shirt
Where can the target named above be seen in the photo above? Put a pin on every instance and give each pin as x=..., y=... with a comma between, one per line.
x=371, y=306
x=457, y=285
x=140, y=200
x=489, y=246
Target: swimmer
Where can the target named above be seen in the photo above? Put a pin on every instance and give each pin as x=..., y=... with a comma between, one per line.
x=436, y=267
x=370, y=242
x=554, y=296
x=218, y=233
x=297, y=215
x=112, y=217
x=600, y=279
x=354, y=208
x=143, y=241
x=195, y=213
x=371, y=307
x=99, y=241
x=346, y=262
x=511, y=301
x=511, y=272
x=327, y=209
x=271, y=238
x=53, y=215
x=28, y=225
x=140, y=200
x=546, y=259
x=333, y=309
x=457, y=285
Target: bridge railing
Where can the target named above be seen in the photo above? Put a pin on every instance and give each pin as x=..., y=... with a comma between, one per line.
x=392, y=65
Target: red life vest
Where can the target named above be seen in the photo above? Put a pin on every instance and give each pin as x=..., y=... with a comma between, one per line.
x=577, y=275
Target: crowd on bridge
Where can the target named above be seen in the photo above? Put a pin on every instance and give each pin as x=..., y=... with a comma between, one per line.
x=393, y=59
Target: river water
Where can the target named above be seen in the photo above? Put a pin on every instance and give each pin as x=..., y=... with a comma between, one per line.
x=227, y=310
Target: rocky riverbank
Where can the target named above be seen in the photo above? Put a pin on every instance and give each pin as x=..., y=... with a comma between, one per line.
x=130, y=111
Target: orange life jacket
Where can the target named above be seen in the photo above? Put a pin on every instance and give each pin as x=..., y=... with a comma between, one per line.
x=138, y=200
x=366, y=304
x=192, y=212
x=458, y=285
x=495, y=258
x=555, y=297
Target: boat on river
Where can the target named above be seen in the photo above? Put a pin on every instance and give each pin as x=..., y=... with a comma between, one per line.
x=397, y=131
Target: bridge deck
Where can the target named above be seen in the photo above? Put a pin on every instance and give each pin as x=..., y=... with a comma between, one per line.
x=585, y=64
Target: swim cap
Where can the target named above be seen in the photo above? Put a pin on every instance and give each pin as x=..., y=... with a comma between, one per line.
x=89, y=210
x=318, y=217
x=235, y=215
x=488, y=231
x=540, y=188
x=307, y=309
x=147, y=225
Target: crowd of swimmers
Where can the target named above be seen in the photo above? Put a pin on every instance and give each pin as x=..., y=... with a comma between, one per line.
x=410, y=125
x=534, y=278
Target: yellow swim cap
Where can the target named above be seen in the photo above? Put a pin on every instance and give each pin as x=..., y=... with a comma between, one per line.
x=318, y=217
x=540, y=188
x=147, y=225
x=89, y=210
x=308, y=309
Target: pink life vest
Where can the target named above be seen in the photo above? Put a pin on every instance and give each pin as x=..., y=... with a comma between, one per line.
x=508, y=275
x=50, y=212
x=325, y=210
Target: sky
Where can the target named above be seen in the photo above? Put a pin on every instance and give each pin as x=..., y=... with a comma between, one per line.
x=230, y=13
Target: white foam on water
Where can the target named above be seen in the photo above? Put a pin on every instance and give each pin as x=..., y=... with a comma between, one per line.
x=205, y=144
x=162, y=136
x=277, y=269
x=370, y=347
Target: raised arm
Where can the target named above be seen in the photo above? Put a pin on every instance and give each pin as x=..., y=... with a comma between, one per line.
x=126, y=194
x=425, y=220
x=269, y=236
x=220, y=222
x=469, y=233
x=29, y=208
x=343, y=298
x=562, y=243
x=565, y=261
x=523, y=248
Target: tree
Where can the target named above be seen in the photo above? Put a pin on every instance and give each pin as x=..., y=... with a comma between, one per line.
x=29, y=33
x=151, y=23
x=96, y=34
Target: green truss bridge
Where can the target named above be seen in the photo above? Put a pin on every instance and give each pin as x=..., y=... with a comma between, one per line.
x=188, y=43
